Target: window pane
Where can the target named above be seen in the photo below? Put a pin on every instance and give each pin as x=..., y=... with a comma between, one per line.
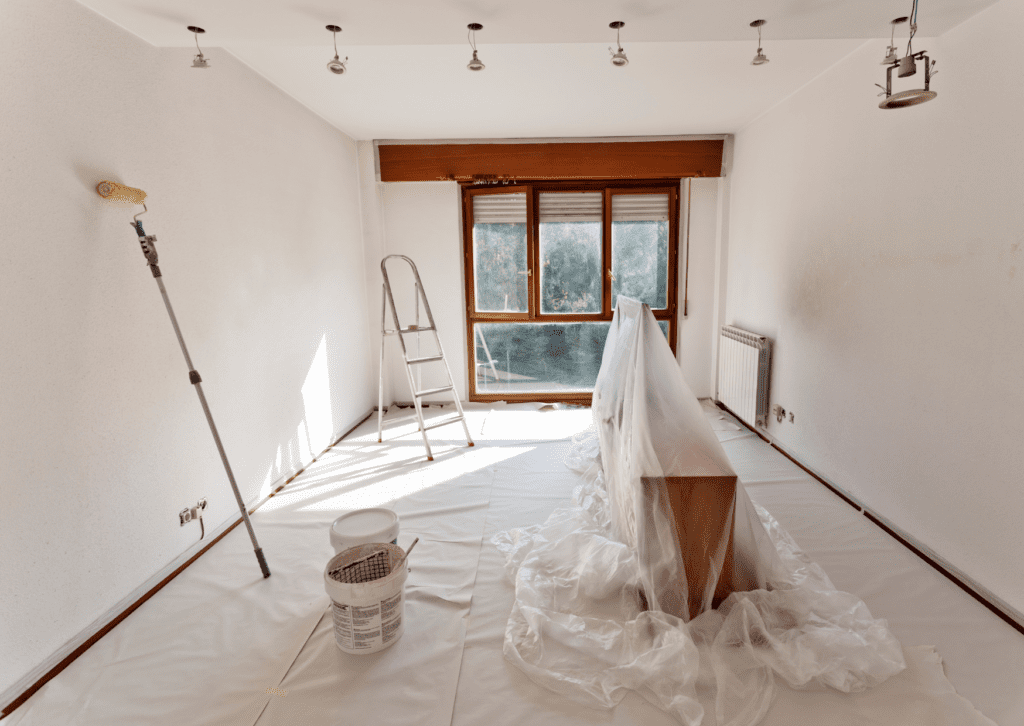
x=540, y=357
x=640, y=248
x=499, y=253
x=570, y=252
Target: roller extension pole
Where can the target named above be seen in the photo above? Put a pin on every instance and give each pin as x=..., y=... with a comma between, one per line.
x=149, y=250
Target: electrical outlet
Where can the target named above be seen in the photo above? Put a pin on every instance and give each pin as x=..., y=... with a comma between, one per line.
x=187, y=514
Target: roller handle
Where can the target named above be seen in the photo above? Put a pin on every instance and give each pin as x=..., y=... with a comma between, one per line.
x=148, y=248
x=263, y=562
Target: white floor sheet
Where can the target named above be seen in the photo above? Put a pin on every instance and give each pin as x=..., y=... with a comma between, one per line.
x=220, y=645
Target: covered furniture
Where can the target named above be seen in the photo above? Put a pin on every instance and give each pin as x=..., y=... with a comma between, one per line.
x=698, y=538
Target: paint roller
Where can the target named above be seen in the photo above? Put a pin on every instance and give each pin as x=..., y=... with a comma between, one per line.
x=115, y=192
x=120, y=193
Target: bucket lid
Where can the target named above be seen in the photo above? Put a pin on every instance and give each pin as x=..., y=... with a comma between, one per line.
x=366, y=525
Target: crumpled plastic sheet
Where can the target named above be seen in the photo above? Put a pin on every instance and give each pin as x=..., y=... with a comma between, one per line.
x=579, y=625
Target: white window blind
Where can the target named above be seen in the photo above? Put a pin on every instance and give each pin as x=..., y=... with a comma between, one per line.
x=640, y=208
x=570, y=207
x=499, y=208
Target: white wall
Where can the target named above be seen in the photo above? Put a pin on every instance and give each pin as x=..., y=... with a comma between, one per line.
x=882, y=250
x=255, y=203
x=697, y=330
x=423, y=221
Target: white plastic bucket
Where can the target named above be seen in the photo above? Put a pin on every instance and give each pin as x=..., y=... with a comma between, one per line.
x=368, y=616
x=364, y=526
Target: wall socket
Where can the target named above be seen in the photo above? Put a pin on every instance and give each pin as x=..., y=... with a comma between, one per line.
x=187, y=514
x=780, y=414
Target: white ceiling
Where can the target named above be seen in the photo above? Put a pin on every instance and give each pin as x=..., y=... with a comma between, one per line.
x=548, y=71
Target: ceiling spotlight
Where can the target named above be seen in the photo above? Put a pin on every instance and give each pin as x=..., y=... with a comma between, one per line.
x=906, y=67
x=890, y=52
x=199, y=61
x=336, y=65
x=618, y=57
x=475, y=64
x=760, y=59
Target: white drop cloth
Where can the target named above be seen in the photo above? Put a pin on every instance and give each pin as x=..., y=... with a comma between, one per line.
x=448, y=669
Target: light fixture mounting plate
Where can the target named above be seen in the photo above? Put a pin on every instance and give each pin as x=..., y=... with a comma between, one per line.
x=475, y=26
x=758, y=23
x=617, y=24
x=334, y=28
x=908, y=98
x=195, y=29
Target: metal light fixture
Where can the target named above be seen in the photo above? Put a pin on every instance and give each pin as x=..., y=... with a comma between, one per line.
x=618, y=57
x=906, y=67
x=200, y=60
x=475, y=64
x=890, y=52
x=336, y=65
x=760, y=59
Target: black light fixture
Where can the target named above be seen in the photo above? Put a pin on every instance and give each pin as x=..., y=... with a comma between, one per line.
x=199, y=61
x=336, y=65
x=618, y=57
x=760, y=59
x=475, y=64
x=906, y=67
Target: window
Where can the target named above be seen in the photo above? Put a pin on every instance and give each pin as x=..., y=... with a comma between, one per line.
x=545, y=263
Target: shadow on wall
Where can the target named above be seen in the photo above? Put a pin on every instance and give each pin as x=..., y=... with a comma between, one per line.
x=314, y=431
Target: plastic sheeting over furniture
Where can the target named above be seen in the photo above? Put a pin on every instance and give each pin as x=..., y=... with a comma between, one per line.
x=602, y=597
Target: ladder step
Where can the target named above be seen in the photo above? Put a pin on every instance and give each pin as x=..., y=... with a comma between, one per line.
x=397, y=419
x=410, y=329
x=430, y=391
x=413, y=361
x=445, y=422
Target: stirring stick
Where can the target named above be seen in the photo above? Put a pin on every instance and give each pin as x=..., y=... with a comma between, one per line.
x=398, y=564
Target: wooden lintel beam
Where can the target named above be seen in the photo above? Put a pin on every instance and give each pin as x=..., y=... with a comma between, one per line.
x=562, y=160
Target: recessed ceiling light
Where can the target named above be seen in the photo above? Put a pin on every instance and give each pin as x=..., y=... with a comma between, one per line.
x=760, y=59
x=906, y=67
x=336, y=65
x=890, y=52
x=199, y=61
x=475, y=64
x=618, y=57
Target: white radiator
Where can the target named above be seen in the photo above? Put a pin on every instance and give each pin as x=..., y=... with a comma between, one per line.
x=744, y=368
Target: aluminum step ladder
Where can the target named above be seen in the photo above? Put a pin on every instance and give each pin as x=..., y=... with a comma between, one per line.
x=415, y=329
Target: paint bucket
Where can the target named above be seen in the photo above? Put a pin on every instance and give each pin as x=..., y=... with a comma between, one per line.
x=364, y=526
x=367, y=596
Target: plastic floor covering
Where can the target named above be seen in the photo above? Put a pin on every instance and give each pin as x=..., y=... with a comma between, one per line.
x=221, y=645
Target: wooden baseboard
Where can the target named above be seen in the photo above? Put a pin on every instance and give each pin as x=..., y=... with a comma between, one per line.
x=35, y=679
x=1006, y=612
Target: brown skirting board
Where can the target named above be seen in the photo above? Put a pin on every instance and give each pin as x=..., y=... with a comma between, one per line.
x=1014, y=620
x=26, y=694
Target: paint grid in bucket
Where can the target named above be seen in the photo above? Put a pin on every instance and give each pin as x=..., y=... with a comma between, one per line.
x=366, y=569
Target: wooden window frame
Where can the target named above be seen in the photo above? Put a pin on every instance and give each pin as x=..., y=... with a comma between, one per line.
x=533, y=189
